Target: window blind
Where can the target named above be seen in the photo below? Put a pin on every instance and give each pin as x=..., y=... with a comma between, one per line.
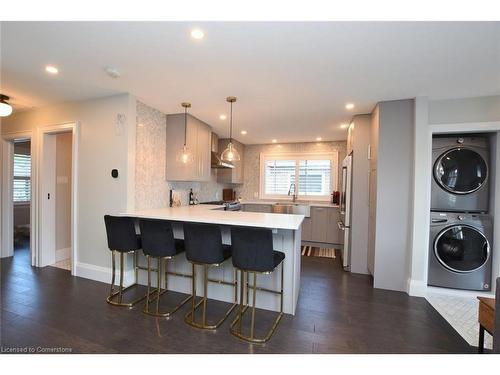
x=22, y=178
x=315, y=177
x=279, y=174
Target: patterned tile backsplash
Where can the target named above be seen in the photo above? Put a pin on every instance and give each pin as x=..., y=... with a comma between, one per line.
x=151, y=187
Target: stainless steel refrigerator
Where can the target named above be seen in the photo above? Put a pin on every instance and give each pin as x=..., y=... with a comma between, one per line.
x=345, y=210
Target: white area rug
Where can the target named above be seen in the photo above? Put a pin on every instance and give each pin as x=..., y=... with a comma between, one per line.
x=461, y=313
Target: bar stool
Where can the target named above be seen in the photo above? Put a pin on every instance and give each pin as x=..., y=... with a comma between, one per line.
x=158, y=242
x=204, y=247
x=122, y=238
x=253, y=253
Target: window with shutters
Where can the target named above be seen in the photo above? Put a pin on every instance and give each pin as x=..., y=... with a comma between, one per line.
x=22, y=178
x=309, y=176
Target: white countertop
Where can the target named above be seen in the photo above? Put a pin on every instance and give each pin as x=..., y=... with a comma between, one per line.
x=214, y=214
x=310, y=203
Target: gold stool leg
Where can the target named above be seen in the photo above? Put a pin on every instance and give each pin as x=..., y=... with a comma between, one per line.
x=252, y=324
x=237, y=331
x=146, y=308
x=113, y=267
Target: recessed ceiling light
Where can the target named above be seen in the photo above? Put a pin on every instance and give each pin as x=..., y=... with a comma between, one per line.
x=319, y=139
x=244, y=132
x=223, y=117
x=197, y=34
x=274, y=141
x=51, y=69
x=349, y=106
x=343, y=126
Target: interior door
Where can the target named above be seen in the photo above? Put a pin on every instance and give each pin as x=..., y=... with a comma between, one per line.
x=47, y=213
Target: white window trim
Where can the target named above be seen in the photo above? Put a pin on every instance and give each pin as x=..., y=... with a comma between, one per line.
x=333, y=156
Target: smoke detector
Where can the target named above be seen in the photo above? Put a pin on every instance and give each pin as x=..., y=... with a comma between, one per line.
x=112, y=72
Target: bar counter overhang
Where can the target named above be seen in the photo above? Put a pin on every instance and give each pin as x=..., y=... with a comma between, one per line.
x=286, y=238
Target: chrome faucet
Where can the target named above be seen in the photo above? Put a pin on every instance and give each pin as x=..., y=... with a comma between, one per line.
x=294, y=197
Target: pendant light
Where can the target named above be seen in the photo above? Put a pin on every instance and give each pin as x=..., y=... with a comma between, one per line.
x=230, y=153
x=185, y=156
x=5, y=108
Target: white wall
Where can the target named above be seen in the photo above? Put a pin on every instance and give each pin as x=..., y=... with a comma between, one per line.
x=103, y=146
x=452, y=115
x=394, y=194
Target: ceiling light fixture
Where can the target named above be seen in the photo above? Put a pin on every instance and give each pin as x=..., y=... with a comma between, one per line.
x=112, y=72
x=5, y=108
x=185, y=156
x=349, y=106
x=244, y=132
x=197, y=34
x=343, y=126
x=274, y=141
x=319, y=139
x=230, y=153
x=223, y=117
x=51, y=69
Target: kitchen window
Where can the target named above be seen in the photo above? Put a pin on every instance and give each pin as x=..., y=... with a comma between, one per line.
x=22, y=178
x=310, y=176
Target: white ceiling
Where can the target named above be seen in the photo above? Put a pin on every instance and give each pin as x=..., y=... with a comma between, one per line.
x=292, y=80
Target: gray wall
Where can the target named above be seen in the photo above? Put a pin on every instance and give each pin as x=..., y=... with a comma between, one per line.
x=479, y=109
x=394, y=197
x=103, y=146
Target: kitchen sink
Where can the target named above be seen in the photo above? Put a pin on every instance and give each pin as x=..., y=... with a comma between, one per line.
x=292, y=208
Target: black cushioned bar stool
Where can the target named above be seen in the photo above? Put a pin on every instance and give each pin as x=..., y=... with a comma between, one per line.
x=158, y=242
x=123, y=239
x=204, y=247
x=253, y=253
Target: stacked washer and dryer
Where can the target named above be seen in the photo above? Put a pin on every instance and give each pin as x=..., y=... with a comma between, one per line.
x=461, y=230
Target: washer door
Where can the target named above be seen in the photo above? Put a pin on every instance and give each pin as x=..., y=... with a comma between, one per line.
x=461, y=248
x=460, y=171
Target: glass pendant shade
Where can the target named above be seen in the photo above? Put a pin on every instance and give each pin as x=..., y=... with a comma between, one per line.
x=185, y=155
x=230, y=153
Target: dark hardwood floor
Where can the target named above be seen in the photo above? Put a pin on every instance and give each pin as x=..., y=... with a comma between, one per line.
x=337, y=313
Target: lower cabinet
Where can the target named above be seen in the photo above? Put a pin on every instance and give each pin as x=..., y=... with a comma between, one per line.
x=322, y=226
x=249, y=207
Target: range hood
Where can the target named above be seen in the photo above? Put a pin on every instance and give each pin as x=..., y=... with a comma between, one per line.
x=216, y=161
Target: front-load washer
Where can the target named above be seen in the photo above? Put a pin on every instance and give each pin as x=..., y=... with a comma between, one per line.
x=460, y=174
x=460, y=249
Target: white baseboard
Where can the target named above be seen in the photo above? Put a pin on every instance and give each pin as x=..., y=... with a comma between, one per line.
x=62, y=254
x=416, y=288
x=102, y=274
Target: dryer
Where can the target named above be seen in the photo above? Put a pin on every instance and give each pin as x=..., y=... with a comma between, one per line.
x=460, y=174
x=460, y=251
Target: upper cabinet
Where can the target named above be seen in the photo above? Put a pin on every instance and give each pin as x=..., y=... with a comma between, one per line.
x=233, y=175
x=198, y=140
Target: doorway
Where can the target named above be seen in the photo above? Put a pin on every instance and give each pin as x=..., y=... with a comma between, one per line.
x=56, y=200
x=21, y=199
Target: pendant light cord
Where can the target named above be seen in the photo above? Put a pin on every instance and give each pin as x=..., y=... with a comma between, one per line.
x=185, y=125
x=231, y=125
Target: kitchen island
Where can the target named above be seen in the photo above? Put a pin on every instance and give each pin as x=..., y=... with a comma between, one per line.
x=286, y=238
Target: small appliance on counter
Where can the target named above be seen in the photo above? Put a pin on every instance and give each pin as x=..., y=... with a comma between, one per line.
x=228, y=205
x=228, y=195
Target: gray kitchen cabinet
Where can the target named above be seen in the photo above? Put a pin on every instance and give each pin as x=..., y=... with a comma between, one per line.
x=307, y=229
x=333, y=233
x=198, y=140
x=253, y=207
x=319, y=218
x=233, y=175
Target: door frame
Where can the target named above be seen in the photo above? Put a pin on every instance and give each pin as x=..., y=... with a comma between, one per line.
x=74, y=128
x=7, y=206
